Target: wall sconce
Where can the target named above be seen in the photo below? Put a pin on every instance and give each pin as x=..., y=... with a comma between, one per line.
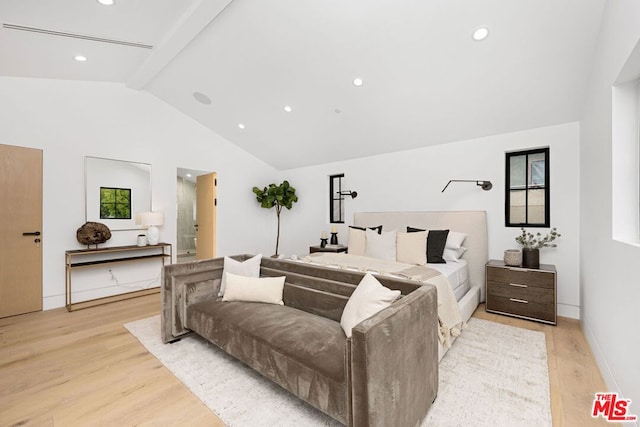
x=353, y=194
x=486, y=185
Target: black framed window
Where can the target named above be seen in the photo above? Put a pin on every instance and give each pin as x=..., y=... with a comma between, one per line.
x=527, y=188
x=115, y=203
x=336, y=200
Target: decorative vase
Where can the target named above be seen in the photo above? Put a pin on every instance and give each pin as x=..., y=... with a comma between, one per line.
x=513, y=257
x=531, y=258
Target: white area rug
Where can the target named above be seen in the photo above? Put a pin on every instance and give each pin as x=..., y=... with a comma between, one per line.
x=494, y=375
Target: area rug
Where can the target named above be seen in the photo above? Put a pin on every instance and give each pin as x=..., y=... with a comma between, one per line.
x=494, y=375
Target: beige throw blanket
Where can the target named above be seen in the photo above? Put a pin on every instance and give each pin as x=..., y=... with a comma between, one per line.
x=449, y=316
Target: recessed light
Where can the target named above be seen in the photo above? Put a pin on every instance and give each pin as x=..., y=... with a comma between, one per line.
x=106, y=2
x=188, y=175
x=241, y=126
x=480, y=34
x=80, y=58
x=202, y=98
x=287, y=109
x=358, y=82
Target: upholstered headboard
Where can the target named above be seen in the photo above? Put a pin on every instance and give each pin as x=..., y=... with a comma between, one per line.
x=473, y=223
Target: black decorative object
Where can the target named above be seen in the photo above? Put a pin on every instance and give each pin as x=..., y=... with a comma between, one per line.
x=334, y=238
x=323, y=242
x=530, y=258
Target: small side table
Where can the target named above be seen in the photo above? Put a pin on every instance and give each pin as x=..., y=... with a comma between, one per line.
x=328, y=248
x=522, y=292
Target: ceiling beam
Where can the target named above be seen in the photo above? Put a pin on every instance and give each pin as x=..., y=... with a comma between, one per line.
x=190, y=24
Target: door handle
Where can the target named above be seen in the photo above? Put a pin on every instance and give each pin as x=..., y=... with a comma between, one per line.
x=31, y=233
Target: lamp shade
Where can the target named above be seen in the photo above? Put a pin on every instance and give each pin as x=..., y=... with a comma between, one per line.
x=149, y=218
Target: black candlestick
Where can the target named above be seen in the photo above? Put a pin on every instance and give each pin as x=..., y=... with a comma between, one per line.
x=323, y=242
x=334, y=238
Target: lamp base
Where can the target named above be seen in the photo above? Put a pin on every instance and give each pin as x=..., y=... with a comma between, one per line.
x=153, y=235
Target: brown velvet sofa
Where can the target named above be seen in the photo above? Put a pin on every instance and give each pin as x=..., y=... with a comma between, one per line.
x=385, y=374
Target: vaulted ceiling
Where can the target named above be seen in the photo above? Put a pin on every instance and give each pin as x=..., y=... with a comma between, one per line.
x=228, y=63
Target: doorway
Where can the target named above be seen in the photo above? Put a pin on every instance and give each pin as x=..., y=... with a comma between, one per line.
x=196, y=216
x=20, y=230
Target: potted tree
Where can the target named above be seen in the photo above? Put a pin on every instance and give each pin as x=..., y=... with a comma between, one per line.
x=278, y=196
x=531, y=245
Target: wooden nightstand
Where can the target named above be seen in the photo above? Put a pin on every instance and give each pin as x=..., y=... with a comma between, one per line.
x=522, y=292
x=328, y=248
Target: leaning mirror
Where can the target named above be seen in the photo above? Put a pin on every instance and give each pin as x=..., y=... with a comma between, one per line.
x=527, y=189
x=115, y=190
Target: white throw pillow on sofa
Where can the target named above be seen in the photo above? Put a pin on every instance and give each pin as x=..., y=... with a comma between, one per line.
x=254, y=289
x=366, y=300
x=248, y=268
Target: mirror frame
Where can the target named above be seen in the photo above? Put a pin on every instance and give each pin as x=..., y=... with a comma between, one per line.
x=118, y=178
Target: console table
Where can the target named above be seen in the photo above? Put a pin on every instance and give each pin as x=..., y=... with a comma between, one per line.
x=86, y=258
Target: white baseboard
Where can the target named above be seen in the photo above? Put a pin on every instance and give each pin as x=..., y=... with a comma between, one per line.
x=571, y=311
x=55, y=301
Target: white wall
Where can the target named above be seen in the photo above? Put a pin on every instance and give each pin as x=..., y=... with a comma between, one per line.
x=70, y=120
x=413, y=180
x=610, y=269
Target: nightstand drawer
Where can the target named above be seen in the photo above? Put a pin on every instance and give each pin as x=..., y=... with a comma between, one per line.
x=518, y=276
x=531, y=294
x=522, y=308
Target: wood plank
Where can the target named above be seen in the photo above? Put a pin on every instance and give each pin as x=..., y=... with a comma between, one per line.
x=84, y=368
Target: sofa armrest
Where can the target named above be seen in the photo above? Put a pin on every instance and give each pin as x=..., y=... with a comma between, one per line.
x=394, y=362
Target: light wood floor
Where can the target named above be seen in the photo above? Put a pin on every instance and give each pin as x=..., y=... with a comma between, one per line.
x=85, y=369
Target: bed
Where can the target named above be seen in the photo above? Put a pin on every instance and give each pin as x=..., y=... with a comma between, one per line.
x=465, y=277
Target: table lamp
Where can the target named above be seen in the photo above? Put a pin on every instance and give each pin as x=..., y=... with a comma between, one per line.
x=151, y=220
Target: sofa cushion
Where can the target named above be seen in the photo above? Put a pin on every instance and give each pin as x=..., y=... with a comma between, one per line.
x=254, y=289
x=248, y=268
x=311, y=340
x=367, y=299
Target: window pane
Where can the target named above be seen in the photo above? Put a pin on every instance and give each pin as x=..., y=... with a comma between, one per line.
x=536, y=206
x=517, y=212
x=536, y=169
x=518, y=172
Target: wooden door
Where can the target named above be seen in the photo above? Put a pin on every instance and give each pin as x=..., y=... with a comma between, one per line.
x=20, y=212
x=206, y=216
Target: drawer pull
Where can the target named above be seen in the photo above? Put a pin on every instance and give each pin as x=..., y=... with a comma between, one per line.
x=518, y=285
x=519, y=300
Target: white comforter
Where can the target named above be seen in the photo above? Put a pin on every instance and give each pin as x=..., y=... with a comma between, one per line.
x=449, y=316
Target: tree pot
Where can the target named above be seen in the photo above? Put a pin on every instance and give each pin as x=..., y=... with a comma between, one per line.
x=531, y=258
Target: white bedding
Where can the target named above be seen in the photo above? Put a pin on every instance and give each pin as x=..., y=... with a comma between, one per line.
x=449, y=315
x=458, y=275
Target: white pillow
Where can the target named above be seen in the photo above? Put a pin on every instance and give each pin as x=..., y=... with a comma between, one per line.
x=455, y=240
x=366, y=300
x=381, y=246
x=254, y=289
x=411, y=248
x=357, y=241
x=248, y=268
x=453, y=255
